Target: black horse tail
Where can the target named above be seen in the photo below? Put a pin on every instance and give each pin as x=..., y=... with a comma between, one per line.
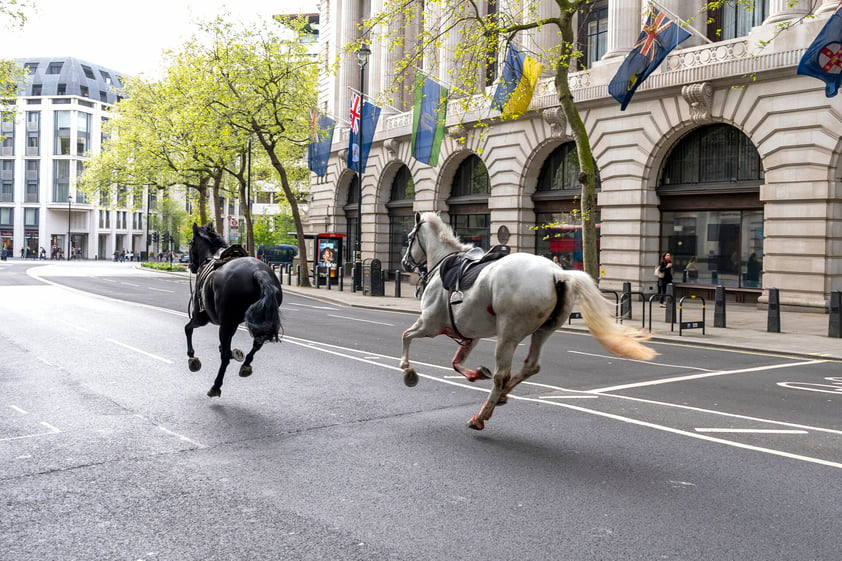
x=262, y=317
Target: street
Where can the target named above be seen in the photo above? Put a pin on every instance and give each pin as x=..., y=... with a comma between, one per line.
x=110, y=449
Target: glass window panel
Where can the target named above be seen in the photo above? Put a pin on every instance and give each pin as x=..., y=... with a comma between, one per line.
x=559, y=237
x=472, y=228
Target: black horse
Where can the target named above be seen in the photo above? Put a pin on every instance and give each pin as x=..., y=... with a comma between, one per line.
x=230, y=288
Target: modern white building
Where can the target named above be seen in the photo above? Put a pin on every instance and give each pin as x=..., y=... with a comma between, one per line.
x=48, y=136
x=725, y=156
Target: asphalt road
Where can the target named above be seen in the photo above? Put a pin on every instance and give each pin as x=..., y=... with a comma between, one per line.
x=109, y=448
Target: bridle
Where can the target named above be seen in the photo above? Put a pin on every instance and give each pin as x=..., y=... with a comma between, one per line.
x=413, y=235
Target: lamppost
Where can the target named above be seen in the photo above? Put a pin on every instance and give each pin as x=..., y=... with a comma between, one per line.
x=69, y=200
x=362, y=59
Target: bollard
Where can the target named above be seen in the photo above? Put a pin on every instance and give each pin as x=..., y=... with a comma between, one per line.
x=626, y=306
x=289, y=274
x=397, y=283
x=340, y=270
x=834, y=328
x=773, y=322
x=719, y=307
x=298, y=275
x=669, y=316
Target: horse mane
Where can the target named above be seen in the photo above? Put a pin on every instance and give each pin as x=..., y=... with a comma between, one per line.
x=443, y=231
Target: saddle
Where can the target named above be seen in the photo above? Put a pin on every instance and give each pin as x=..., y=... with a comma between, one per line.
x=459, y=271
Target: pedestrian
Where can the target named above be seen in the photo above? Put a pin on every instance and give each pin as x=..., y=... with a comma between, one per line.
x=692, y=270
x=664, y=276
x=753, y=268
x=22, y=252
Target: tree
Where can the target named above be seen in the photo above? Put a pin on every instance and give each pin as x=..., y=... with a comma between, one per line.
x=266, y=87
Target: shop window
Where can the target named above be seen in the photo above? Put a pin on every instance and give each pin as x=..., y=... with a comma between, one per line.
x=401, y=215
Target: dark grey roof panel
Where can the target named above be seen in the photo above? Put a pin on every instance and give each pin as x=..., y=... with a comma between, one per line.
x=78, y=76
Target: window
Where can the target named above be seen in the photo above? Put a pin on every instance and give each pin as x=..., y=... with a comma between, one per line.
x=31, y=67
x=735, y=19
x=105, y=76
x=30, y=217
x=33, y=186
x=83, y=133
x=88, y=72
x=36, y=89
x=471, y=178
x=54, y=68
x=62, y=133
x=713, y=154
x=559, y=235
x=7, y=131
x=594, y=30
x=560, y=171
x=401, y=215
x=7, y=181
x=61, y=89
x=7, y=217
x=61, y=180
x=84, y=91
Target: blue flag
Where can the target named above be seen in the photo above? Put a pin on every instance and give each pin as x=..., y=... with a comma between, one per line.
x=428, y=118
x=321, y=139
x=823, y=58
x=520, y=75
x=659, y=36
x=363, y=117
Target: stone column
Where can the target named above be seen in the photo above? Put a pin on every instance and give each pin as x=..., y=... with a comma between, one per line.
x=828, y=6
x=780, y=10
x=624, y=24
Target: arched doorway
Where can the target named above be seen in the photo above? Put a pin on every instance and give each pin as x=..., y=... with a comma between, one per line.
x=558, y=220
x=468, y=202
x=711, y=212
x=401, y=215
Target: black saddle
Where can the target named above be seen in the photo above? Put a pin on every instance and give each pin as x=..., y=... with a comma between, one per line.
x=459, y=271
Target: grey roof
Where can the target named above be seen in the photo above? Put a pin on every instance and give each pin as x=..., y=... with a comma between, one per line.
x=77, y=76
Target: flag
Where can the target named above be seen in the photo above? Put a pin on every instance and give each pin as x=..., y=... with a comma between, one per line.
x=520, y=75
x=321, y=139
x=428, y=118
x=823, y=58
x=362, y=115
x=658, y=37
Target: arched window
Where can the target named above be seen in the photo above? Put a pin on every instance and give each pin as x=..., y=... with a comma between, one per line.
x=401, y=217
x=468, y=202
x=711, y=213
x=558, y=221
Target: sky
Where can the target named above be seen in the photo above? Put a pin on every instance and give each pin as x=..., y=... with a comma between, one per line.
x=126, y=37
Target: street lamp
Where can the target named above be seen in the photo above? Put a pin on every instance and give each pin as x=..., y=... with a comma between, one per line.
x=362, y=59
x=69, y=200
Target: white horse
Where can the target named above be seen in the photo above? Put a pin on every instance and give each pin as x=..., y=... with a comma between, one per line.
x=519, y=295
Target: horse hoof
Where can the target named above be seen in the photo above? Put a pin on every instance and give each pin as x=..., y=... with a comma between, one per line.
x=245, y=371
x=214, y=392
x=483, y=373
x=237, y=355
x=476, y=424
x=504, y=399
x=194, y=364
x=410, y=377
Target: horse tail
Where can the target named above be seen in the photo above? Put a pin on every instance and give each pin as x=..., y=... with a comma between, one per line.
x=619, y=340
x=262, y=317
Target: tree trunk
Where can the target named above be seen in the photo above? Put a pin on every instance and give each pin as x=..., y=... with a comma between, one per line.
x=587, y=170
x=215, y=200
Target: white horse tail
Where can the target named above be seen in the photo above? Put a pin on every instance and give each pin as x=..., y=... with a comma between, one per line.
x=596, y=311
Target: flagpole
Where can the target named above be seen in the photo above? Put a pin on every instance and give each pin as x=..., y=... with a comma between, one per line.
x=362, y=59
x=689, y=28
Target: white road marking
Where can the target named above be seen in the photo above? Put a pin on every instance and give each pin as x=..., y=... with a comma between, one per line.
x=752, y=431
x=129, y=284
x=569, y=397
x=362, y=320
x=19, y=410
x=74, y=326
x=182, y=437
x=53, y=430
x=135, y=349
x=161, y=290
x=705, y=375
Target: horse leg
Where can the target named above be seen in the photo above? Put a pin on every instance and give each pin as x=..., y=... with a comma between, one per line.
x=192, y=362
x=245, y=369
x=503, y=355
x=458, y=362
x=530, y=364
x=226, y=334
x=417, y=329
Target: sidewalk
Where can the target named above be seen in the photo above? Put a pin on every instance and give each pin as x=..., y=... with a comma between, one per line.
x=802, y=334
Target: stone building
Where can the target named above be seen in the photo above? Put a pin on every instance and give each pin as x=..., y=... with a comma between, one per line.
x=724, y=157
x=48, y=136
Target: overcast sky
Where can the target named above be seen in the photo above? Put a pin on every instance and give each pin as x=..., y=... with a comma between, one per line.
x=127, y=37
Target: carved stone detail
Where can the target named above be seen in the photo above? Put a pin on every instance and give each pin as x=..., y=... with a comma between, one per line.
x=392, y=146
x=458, y=133
x=554, y=116
x=699, y=96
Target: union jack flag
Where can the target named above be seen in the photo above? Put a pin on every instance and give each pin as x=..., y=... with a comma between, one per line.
x=355, y=113
x=650, y=35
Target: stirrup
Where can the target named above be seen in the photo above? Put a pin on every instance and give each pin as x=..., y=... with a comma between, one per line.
x=456, y=297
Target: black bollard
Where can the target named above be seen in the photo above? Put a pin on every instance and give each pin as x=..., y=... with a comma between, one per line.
x=397, y=283
x=773, y=323
x=341, y=272
x=834, y=328
x=298, y=275
x=289, y=274
x=626, y=308
x=719, y=307
x=669, y=316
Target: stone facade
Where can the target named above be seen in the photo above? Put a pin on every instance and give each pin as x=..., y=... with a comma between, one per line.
x=747, y=82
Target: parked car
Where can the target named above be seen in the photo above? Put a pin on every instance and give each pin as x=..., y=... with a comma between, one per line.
x=277, y=254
